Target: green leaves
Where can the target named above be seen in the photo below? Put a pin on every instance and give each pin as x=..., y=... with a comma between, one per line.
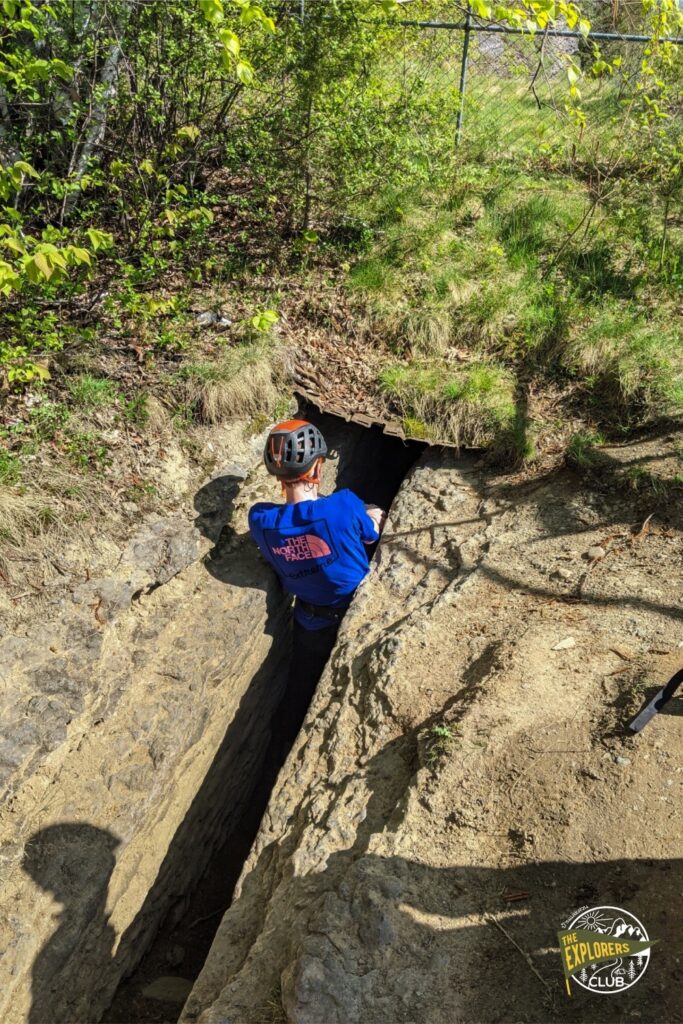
x=39, y=266
x=264, y=321
x=231, y=47
x=481, y=8
x=9, y=278
x=26, y=372
x=99, y=239
x=212, y=11
x=24, y=168
x=245, y=72
x=230, y=42
x=189, y=131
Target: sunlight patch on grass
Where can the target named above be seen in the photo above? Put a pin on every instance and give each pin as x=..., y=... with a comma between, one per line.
x=467, y=405
x=243, y=381
x=629, y=360
x=89, y=392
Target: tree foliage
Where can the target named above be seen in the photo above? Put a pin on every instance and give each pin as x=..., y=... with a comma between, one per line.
x=116, y=116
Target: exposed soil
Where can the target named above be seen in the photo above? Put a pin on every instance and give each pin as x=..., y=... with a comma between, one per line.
x=465, y=780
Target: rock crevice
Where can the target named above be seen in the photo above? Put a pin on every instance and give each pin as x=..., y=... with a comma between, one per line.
x=137, y=725
x=444, y=780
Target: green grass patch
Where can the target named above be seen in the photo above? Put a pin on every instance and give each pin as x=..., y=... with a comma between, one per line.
x=437, y=744
x=90, y=392
x=10, y=469
x=631, y=361
x=582, y=450
x=471, y=404
x=517, y=275
x=85, y=450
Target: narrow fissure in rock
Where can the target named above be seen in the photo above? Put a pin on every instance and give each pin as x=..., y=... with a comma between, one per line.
x=373, y=466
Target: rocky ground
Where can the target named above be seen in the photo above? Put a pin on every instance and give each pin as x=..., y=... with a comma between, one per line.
x=464, y=780
x=137, y=713
x=134, y=723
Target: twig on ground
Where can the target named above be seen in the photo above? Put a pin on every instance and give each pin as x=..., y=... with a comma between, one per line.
x=642, y=531
x=492, y=920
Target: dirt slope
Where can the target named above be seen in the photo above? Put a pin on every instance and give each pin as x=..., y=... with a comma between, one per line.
x=463, y=781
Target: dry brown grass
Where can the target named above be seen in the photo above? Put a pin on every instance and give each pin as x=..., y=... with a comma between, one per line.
x=245, y=381
x=21, y=513
x=158, y=421
x=49, y=509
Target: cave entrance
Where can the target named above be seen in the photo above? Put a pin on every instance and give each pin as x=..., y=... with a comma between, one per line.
x=373, y=465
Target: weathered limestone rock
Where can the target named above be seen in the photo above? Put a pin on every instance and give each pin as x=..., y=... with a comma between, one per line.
x=455, y=791
x=132, y=731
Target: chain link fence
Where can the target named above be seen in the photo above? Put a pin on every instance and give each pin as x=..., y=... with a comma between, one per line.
x=508, y=92
x=437, y=99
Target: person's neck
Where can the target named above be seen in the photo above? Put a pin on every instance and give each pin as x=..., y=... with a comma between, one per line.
x=300, y=492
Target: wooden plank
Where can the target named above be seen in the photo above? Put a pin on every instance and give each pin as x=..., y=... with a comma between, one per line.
x=392, y=428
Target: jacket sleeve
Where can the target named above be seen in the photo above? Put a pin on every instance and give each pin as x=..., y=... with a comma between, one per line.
x=367, y=529
x=254, y=525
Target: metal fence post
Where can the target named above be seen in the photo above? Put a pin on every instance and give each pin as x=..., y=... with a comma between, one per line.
x=463, y=75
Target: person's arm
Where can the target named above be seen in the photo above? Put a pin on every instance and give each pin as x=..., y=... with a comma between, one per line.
x=370, y=520
x=255, y=529
x=378, y=516
x=251, y=521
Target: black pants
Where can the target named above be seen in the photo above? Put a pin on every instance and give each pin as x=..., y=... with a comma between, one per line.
x=310, y=650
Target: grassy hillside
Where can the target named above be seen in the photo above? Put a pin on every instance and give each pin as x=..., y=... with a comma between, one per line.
x=490, y=294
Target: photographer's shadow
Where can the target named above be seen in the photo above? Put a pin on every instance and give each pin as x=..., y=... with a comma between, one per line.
x=234, y=558
x=69, y=860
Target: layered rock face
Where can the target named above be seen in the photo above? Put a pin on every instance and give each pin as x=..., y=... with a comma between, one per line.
x=463, y=781
x=134, y=727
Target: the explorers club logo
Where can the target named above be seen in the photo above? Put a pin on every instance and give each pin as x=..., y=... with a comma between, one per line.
x=604, y=950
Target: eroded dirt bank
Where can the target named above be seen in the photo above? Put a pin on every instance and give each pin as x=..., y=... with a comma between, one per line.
x=463, y=782
x=134, y=727
x=137, y=715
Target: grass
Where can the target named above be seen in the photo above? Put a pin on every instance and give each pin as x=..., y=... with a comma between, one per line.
x=10, y=469
x=437, y=744
x=645, y=482
x=244, y=380
x=90, y=392
x=630, y=359
x=582, y=449
x=468, y=404
x=85, y=450
x=494, y=276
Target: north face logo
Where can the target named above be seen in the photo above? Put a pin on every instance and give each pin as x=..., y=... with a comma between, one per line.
x=298, y=549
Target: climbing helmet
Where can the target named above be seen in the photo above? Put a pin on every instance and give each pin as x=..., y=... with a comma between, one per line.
x=293, y=446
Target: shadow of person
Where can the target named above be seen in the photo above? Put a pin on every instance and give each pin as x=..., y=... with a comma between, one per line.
x=234, y=559
x=73, y=861
x=214, y=502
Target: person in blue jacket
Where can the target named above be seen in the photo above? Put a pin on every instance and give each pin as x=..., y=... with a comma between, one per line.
x=317, y=546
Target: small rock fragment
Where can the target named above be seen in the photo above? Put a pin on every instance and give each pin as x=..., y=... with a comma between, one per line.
x=564, y=645
x=168, y=989
x=622, y=760
x=561, y=574
x=595, y=553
